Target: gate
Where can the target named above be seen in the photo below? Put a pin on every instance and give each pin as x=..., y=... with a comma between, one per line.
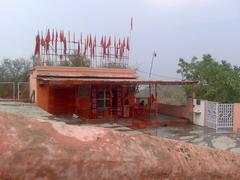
x=219, y=117
x=225, y=118
x=212, y=111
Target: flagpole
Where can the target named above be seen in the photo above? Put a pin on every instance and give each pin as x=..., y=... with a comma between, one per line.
x=154, y=55
x=130, y=37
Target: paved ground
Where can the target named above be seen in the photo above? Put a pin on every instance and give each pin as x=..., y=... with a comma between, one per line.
x=188, y=133
x=200, y=136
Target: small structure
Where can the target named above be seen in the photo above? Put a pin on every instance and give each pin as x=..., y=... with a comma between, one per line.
x=104, y=90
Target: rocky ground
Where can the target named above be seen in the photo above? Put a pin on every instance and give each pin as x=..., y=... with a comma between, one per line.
x=201, y=136
x=35, y=149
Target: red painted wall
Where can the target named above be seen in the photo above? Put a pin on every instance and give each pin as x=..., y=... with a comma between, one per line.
x=83, y=107
x=177, y=111
x=236, y=117
x=43, y=95
x=62, y=100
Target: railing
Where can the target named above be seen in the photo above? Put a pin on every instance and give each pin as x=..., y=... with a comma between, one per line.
x=104, y=113
x=14, y=91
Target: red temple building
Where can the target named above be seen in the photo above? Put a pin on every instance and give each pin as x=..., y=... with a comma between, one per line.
x=105, y=89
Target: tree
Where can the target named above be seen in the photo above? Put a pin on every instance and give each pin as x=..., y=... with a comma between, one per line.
x=14, y=70
x=78, y=61
x=217, y=81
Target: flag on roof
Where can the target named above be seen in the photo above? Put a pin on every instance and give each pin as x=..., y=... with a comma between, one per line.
x=61, y=36
x=109, y=42
x=48, y=37
x=90, y=41
x=47, y=41
x=128, y=46
x=42, y=41
x=65, y=46
x=37, y=47
x=56, y=42
x=53, y=36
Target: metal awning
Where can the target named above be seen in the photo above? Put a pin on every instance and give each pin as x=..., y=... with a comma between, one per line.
x=110, y=81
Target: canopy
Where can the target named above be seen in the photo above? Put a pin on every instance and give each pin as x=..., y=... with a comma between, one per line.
x=110, y=81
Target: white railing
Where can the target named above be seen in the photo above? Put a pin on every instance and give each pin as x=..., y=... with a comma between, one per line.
x=219, y=117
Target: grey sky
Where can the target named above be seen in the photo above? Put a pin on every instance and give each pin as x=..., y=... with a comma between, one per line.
x=174, y=28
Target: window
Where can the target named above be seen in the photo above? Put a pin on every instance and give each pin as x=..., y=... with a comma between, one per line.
x=103, y=98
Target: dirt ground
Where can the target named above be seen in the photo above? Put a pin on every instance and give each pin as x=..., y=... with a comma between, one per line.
x=188, y=133
x=32, y=148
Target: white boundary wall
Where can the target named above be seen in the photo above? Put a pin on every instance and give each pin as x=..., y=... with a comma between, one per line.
x=199, y=112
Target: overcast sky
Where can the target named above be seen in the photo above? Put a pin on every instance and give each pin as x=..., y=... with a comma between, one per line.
x=174, y=28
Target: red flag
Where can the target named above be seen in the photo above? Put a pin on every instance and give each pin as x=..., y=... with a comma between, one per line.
x=48, y=39
x=93, y=51
x=95, y=41
x=121, y=51
x=90, y=41
x=61, y=36
x=56, y=41
x=85, y=47
x=117, y=50
x=104, y=46
x=37, y=47
x=123, y=44
x=87, y=41
x=109, y=42
x=94, y=46
x=52, y=36
x=65, y=46
x=115, y=47
x=131, y=23
x=115, y=43
x=56, y=37
x=128, y=47
x=90, y=45
x=108, y=47
x=101, y=41
x=42, y=41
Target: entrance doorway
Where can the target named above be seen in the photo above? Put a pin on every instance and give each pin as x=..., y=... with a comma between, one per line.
x=107, y=102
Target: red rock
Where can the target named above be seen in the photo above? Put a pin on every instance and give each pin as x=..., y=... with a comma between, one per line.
x=30, y=149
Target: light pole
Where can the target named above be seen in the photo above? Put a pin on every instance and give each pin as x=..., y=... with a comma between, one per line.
x=154, y=55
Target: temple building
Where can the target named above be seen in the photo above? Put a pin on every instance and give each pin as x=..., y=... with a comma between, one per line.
x=95, y=82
